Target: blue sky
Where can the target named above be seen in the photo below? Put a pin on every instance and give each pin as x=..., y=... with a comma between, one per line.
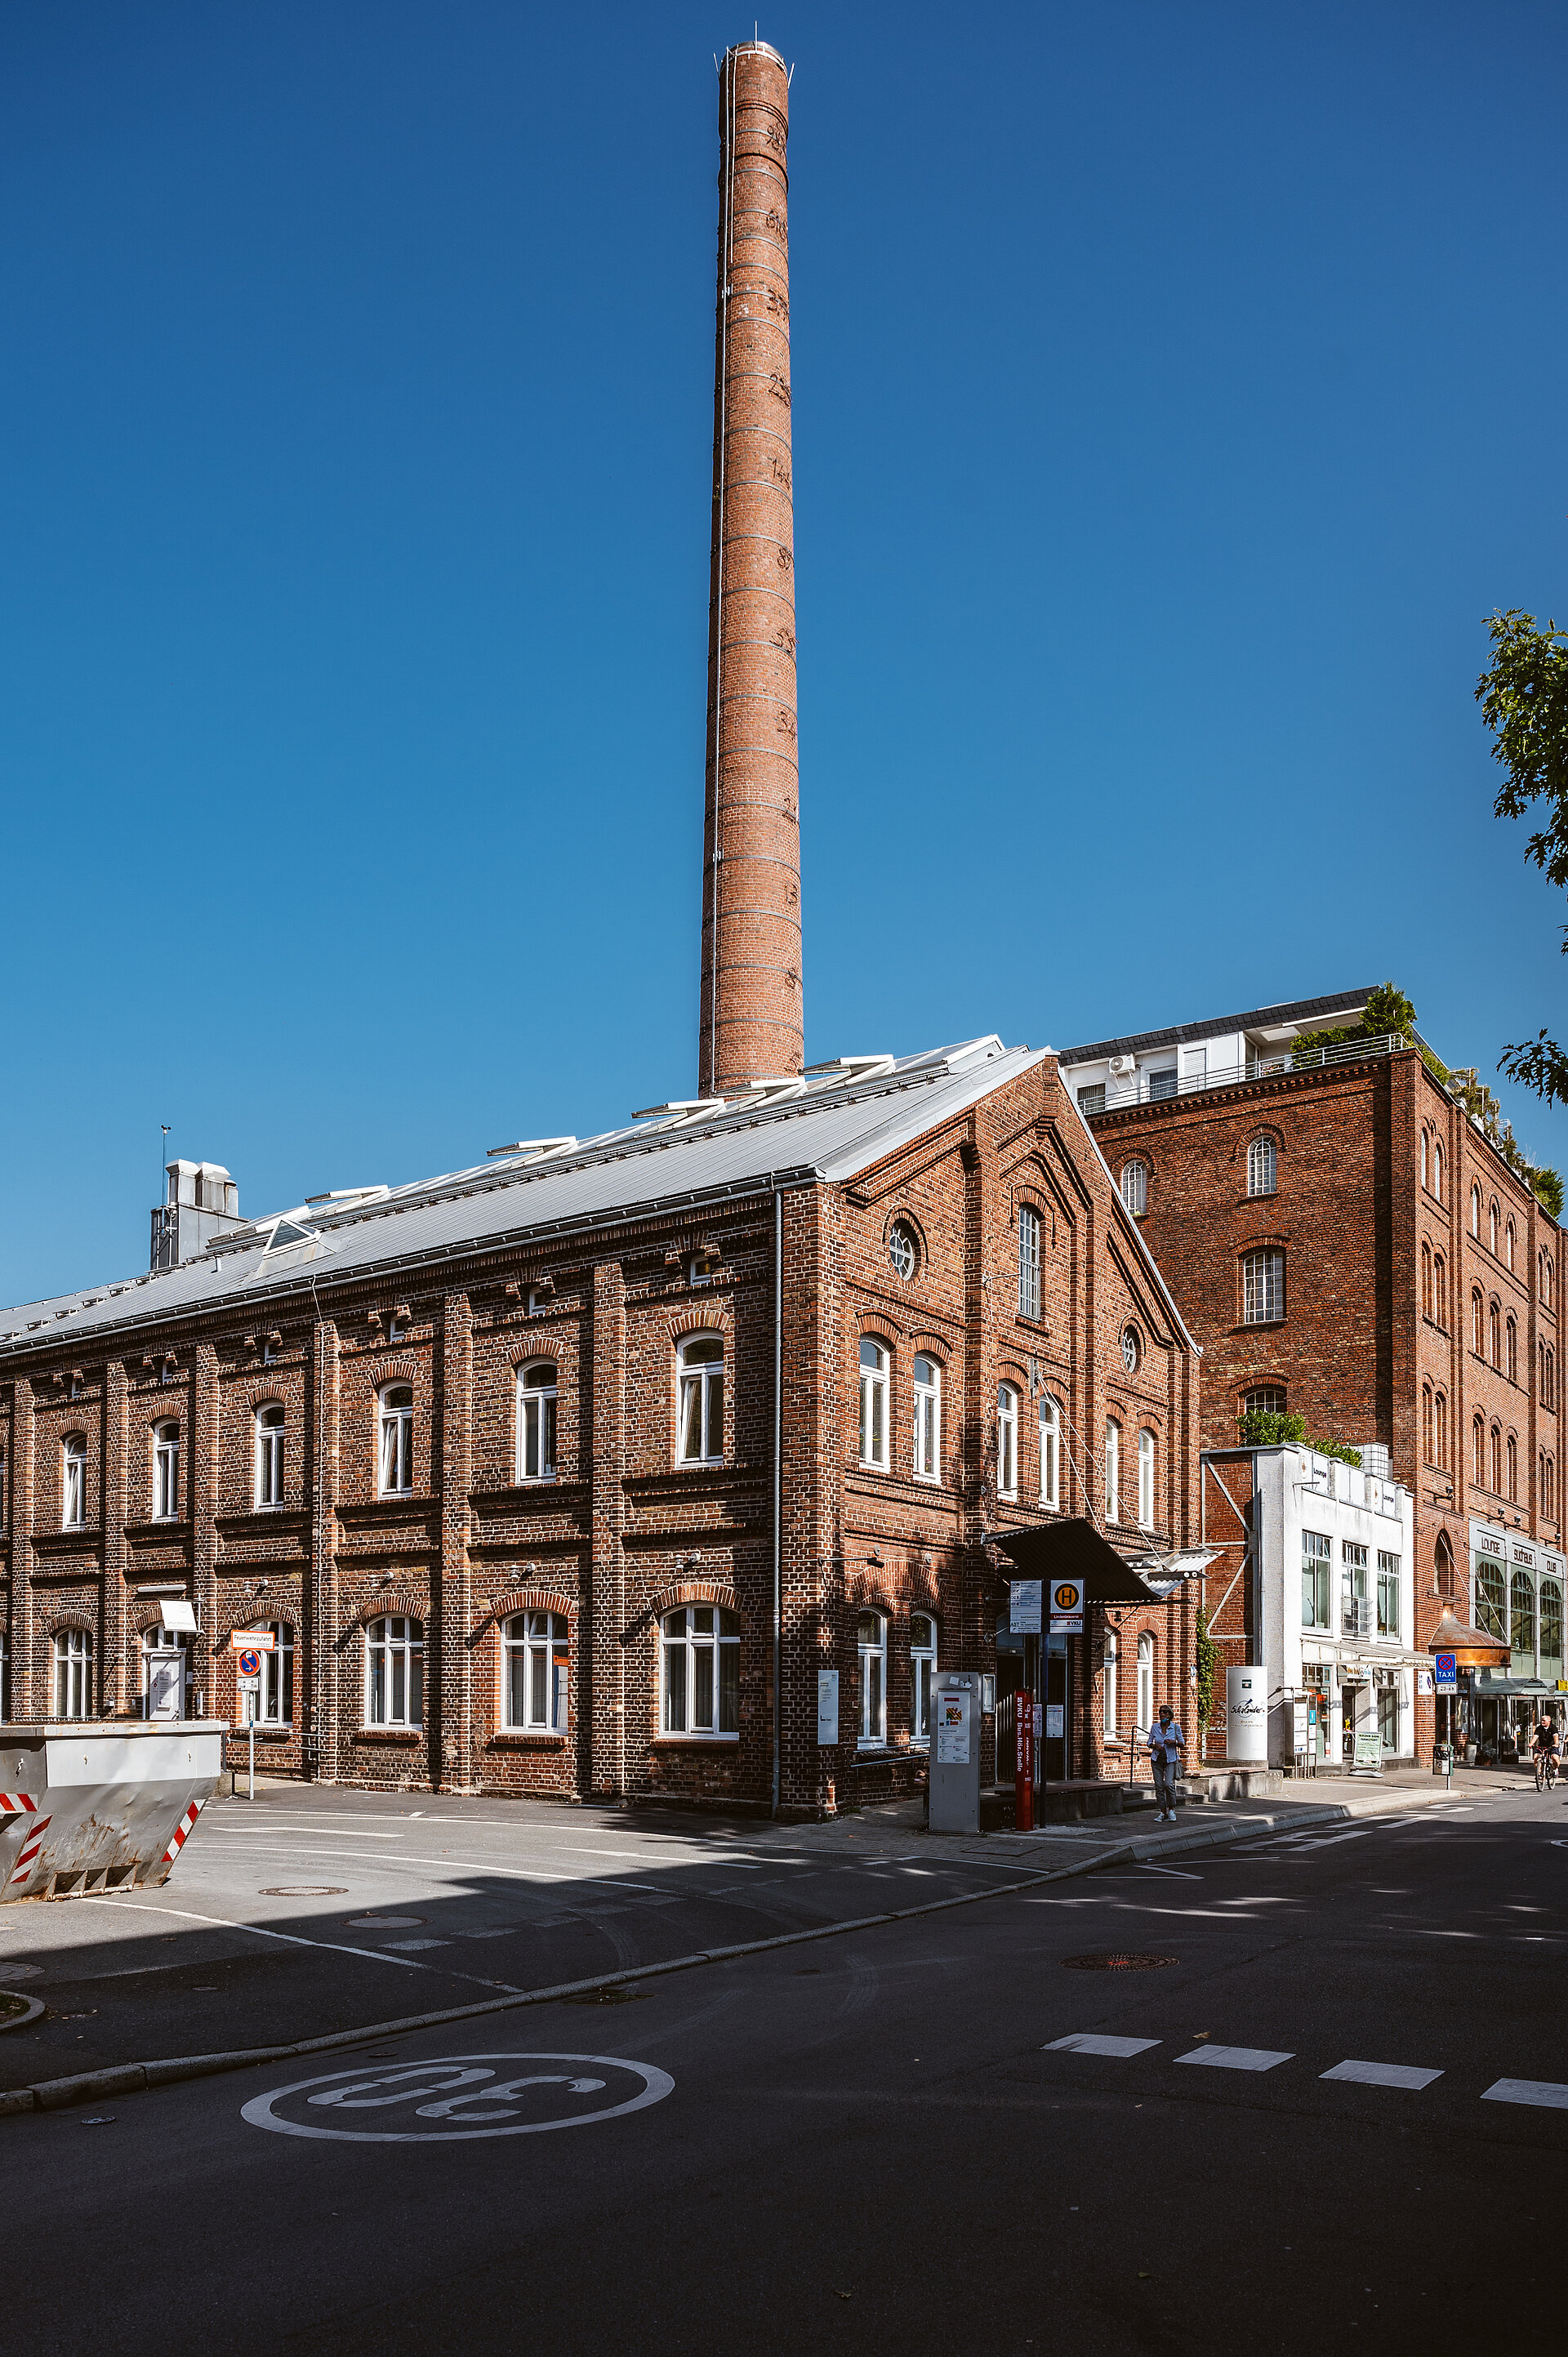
x=1175, y=389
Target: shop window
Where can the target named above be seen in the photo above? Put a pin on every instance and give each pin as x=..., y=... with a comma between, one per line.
x=1490, y=1604
x=1521, y=1621
x=537, y=1656
x=1551, y=1629
x=702, y=1671
x=1389, y=1717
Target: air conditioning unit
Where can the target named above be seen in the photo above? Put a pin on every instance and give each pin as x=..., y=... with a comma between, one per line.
x=1124, y=1066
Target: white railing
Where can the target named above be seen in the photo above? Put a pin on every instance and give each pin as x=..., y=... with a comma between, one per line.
x=1149, y=1088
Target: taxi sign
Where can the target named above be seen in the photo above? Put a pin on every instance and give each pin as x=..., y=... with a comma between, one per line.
x=253, y=1640
x=1445, y=1670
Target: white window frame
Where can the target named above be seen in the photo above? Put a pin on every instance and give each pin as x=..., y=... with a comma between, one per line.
x=1050, y=1452
x=72, y=1673
x=535, y=1668
x=1389, y=1581
x=700, y=1400
x=870, y=1648
x=926, y=1454
x=697, y=1644
x=1112, y=1470
x=274, y=1695
x=1475, y=1213
x=876, y=1360
x=1006, y=1440
x=166, y=1471
x=394, y=1461
x=1145, y=1479
x=922, y=1678
x=159, y=1640
x=73, y=1481
x=1263, y=1286
x=394, y=1646
x=1317, y=1569
x=1135, y=1187
x=1108, y=1689
x=537, y=1421
x=1263, y=1166
x=1437, y=1171
x=271, y=1422
x=1146, y=1703
x=1029, y=1262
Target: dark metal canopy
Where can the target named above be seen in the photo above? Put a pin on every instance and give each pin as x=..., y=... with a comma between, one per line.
x=1075, y=1550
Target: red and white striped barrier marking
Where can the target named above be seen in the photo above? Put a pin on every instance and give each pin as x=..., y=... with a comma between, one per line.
x=182, y=1832
x=30, y=1850
x=18, y=1805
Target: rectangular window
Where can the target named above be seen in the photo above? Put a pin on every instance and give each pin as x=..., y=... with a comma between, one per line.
x=1315, y=1572
x=1388, y=1594
x=394, y=1682
x=928, y=1419
x=537, y=1659
x=165, y=1474
x=1389, y=1717
x=1263, y=1287
x=1029, y=1262
x=1092, y=1099
x=1355, y=1600
x=1162, y=1084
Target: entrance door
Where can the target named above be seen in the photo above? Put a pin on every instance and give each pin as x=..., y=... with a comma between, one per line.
x=1353, y=1702
x=166, y=1684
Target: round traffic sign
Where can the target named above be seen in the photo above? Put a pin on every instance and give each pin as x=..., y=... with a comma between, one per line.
x=250, y=1663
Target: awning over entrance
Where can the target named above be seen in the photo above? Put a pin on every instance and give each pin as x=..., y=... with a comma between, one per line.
x=1471, y=1647
x=1075, y=1550
x=1493, y=1682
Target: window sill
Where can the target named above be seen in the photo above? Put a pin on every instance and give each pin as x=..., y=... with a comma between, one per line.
x=699, y=1464
x=390, y=1734
x=527, y=1738
x=694, y=1742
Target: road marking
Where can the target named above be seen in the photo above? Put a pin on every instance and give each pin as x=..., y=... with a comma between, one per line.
x=464, y=2087
x=1383, y=2074
x=1088, y=2041
x=1235, y=2058
x=1176, y=1871
x=242, y=1832
x=1544, y=2093
x=293, y=1940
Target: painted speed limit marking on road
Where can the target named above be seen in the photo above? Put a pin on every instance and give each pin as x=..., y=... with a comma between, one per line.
x=460, y=2097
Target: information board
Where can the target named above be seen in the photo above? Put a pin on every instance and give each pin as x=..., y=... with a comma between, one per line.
x=953, y=1730
x=1024, y=1608
x=827, y=1705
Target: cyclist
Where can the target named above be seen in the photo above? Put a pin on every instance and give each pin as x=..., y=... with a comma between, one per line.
x=1546, y=1750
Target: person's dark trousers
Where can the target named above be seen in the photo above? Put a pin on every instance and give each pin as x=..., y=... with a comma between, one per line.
x=1164, y=1781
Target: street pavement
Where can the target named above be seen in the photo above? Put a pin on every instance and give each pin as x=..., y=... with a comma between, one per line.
x=1336, y=2105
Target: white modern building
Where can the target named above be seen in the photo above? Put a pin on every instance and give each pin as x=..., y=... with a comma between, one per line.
x=1323, y=1595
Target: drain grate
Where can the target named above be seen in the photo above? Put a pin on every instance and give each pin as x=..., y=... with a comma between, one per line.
x=304, y=1891
x=1118, y=1961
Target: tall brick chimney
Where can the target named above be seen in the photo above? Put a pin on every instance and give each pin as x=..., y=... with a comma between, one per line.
x=752, y=1025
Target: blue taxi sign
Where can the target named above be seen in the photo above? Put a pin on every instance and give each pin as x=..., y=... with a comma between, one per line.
x=1446, y=1673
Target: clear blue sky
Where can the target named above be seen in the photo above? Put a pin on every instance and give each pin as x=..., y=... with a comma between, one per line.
x=1176, y=388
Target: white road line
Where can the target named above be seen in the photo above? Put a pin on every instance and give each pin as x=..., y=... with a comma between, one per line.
x=1544, y=2093
x=1235, y=2058
x=292, y=1825
x=1088, y=2041
x=1383, y=2074
x=1174, y=1871
x=221, y=1923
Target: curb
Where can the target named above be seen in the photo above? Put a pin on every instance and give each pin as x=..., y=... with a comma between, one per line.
x=132, y=2078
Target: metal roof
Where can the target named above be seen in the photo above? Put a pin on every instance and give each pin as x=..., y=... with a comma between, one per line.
x=1307, y=1014
x=827, y=1128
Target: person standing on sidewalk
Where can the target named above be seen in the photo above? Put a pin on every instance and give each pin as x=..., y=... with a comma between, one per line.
x=1165, y=1742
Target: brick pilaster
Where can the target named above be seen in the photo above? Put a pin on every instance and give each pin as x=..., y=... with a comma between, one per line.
x=120, y=1691
x=605, y=1698
x=29, y=1683
x=204, y=1413
x=328, y=1678
x=450, y=1677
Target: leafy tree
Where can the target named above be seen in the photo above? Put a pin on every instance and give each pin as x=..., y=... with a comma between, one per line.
x=1523, y=696
x=1207, y=1670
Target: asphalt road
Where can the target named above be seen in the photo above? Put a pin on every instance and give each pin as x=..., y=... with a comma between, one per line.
x=878, y=2143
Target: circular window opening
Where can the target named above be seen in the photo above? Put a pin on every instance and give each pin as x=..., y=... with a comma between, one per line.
x=902, y=1250
x=1132, y=1349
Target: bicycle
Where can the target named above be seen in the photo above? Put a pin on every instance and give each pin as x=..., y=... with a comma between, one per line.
x=1545, y=1772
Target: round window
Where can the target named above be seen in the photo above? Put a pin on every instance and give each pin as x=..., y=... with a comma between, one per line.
x=902, y=1250
x=1131, y=1350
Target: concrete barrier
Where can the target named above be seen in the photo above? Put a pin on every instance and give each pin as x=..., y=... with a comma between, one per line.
x=100, y=1804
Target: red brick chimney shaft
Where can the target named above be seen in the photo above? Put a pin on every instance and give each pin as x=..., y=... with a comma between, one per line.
x=751, y=1025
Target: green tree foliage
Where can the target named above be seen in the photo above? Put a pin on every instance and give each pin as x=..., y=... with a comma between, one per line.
x=1264, y=1429
x=1207, y=1670
x=1523, y=696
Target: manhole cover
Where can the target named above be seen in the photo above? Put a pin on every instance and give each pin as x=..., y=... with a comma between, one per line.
x=381, y=1922
x=1118, y=1962
x=304, y=1891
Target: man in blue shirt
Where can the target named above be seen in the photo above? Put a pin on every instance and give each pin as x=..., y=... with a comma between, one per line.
x=1165, y=1742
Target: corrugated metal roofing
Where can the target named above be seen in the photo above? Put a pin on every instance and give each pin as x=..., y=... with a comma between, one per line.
x=1304, y=1012
x=834, y=1128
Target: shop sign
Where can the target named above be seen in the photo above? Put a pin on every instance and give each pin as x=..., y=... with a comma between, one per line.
x=1484, y=1540
x=1521, y=1551
x=1067, y=1608
x=1247, y=1715
x=1368, y=1748
x=1024, y=1608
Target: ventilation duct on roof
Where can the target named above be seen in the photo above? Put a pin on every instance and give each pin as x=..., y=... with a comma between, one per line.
x=203, y=1204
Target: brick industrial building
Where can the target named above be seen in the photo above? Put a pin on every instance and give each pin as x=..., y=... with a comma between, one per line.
x=571, y=1472
x=1346, y=1242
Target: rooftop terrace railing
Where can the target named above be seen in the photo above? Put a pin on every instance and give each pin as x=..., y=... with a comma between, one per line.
x=1149, y=1088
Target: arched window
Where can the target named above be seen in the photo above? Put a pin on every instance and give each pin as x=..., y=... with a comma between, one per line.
x=1508, y=1244
x=1423, y=1164
x=1428, y=1429
x=1491, y=1617
x=1135, y=1187
x=1549, y=1391
x=1006, y=1441
x=870, y=1638
x=1475, y=1211
x=1477, y=1323
x=73, y=1674
x=1261, y=1167
x=1513, y=1351
x=1437, y=1169
x=74, y=1481
x=1497, y=1482
x=537, y=1656
x=537, y=1393
x=1112, y=1470
x=702, y=1400
x=1145, y=1682
x=1051, y=1452
x=275, y=1696
x=1441, y=1459
x=1550, y=1488
x=702, y=1671
x=1444, y=1566
x=1479, y=1452
x=1521, y=1621
x=1264, y=1399
x=1546, y=1278
x=923, y=1670
x=1492, y=1218
x=873, y=1404
x=1440, y=1287
x=396, y=1461
x=1494, y=1335
x=1263, y=1287
x=165, y=1472
x=394, y=1672
x=1028, y=1261
x=927, y=1418
x=1145, y=1480
x=269, y=1440
x=1426, y=1280
x=1551, y=1629
x=1513, y=1469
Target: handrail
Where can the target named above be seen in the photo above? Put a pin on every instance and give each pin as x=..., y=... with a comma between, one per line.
x=1152, y=1088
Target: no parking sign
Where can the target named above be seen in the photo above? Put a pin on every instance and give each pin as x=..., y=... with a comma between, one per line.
x=1446, y=1673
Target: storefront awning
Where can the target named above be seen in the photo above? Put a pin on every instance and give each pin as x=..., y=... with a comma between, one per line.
x=1471, y=1647
x=1495, y=1681
x=1075, y=1550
